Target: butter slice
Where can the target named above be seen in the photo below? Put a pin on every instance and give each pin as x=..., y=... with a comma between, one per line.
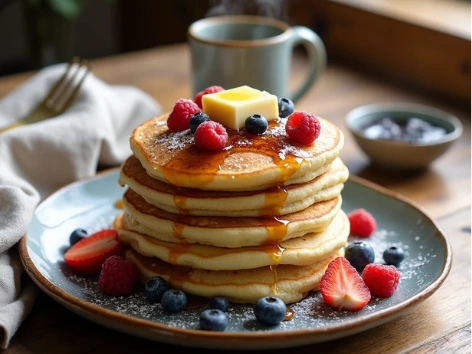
x=232, y=107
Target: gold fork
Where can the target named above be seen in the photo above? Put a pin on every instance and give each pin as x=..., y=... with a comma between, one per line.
x=60, y=96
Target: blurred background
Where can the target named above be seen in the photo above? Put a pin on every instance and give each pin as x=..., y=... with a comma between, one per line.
x=418, y=43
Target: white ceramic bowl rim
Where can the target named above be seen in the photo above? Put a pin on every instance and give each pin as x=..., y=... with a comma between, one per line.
x=412, y=108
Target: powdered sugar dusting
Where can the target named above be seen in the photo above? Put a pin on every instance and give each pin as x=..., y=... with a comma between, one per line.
x=175, y=140
x=310, y=312
x=278, y=131
x=383, y=239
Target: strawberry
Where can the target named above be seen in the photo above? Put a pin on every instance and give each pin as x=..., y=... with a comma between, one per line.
x=88, y=255
x=342, y=287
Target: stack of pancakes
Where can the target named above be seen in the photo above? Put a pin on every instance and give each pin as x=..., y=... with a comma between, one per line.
x=261, y=217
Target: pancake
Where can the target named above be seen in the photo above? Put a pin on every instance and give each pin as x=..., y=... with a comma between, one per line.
x=275, y=201
x=289, y=283
x=299, y=251
x=225, y=231
x=249, y=162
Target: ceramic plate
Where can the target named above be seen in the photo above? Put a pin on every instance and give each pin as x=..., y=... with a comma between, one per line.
x=91, y=204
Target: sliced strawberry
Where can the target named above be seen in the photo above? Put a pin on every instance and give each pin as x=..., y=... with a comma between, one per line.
x=342, y=287
x=88, y=255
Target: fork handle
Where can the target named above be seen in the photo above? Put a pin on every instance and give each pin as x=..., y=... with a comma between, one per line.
x=34, y=117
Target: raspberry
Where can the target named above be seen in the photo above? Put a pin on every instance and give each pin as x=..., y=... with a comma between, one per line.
x=118, y=277
x=382, y=280
x=211, y=89
x=181, y=113
x=303, y=127
x=362, y=223
x=211, y=136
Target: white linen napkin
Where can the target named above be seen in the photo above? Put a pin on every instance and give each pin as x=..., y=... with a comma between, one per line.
x=39, y=158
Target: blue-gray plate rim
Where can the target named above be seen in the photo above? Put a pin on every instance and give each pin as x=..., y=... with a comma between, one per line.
x=400, y=222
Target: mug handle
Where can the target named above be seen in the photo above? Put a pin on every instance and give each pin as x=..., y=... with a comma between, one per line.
x=316, y=55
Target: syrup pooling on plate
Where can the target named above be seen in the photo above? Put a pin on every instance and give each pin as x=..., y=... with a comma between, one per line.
x=195, y=302
x=201, y=165
x=289, y=314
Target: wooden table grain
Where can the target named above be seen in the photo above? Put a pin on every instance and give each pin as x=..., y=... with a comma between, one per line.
x=441, y=324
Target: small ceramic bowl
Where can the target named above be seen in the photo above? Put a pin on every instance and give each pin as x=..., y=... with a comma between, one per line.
x=400, y=154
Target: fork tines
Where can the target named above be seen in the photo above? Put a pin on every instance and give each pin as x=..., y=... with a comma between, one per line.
x=63, y=93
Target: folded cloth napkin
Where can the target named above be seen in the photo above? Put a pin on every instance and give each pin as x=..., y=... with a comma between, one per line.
x=39, y=158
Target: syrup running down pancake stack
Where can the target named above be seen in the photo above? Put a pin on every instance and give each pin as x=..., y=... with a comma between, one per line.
x=260, y=217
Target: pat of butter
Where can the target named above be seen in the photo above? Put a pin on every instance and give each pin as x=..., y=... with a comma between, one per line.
x=232, y=107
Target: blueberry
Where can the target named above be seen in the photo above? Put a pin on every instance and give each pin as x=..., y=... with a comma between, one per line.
x=154, y=288
x=77, y=235
x=270, y=310
x=256, y=124
x=286, y=107
x=213, y=320
x=174, y=300
x=219, y=303
x=393, y=256
x=196, y=120
x=359, y=254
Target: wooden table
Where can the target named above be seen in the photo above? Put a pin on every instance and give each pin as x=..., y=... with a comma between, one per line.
x=439, y=324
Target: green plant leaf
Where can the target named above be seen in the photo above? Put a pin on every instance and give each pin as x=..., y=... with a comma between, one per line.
x=67, y=8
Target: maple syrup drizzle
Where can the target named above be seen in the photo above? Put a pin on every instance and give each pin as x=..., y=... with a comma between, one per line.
x=275, y=252
x=274, y=201
x=273, y=288
x=277, y=229
x=177, y=230
x=175, y=251
x=179, y=202
x=119, y=204
x=204, y=165
x=288, y=314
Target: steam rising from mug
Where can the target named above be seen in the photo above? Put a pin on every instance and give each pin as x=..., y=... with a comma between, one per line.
x=267, y=8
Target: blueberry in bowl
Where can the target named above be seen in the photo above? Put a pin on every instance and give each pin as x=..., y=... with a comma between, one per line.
x=403, y=135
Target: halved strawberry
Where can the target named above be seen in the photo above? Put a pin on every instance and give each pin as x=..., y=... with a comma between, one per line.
x=88, y=255
x=342, y=287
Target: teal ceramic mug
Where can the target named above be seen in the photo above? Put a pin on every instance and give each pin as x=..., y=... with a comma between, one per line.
x=232, y=51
